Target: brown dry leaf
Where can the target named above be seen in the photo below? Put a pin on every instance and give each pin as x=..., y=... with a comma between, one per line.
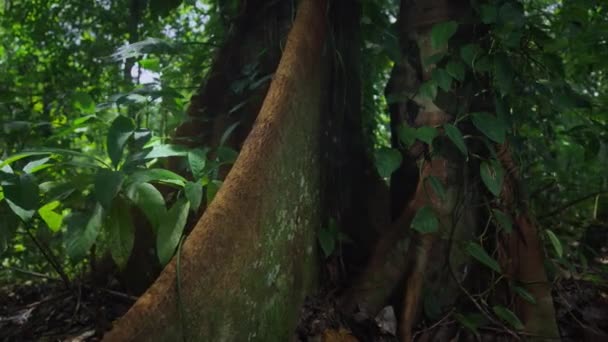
x=341, y=335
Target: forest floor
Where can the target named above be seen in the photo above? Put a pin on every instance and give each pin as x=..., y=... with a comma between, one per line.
x=48, y=311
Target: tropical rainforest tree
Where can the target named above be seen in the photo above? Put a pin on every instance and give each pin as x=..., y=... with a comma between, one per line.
x=442, y=158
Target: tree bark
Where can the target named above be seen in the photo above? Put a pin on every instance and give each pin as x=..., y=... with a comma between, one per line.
x=247, y=265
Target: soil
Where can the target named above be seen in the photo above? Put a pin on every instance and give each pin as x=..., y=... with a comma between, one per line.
x=48, y=311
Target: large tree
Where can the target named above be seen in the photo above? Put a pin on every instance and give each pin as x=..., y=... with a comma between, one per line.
x=378, y=146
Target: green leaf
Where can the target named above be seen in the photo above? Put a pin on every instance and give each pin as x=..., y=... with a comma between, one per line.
x=434, y=59
x=212, y=188
x=194, y=194
x=442, y=32
x=488, y=14
x=327, y=241
x=150, y=201
x=557, y=245
x=156, y=175
x=437, y=187
x=503, y=220
x=425, y=221
x=492, y=175
x=107, y=184
x=471, y=321
x=469, y=53
x=442, y=78
x=226, y=155
x=36, y=165
x=490, y=126
x=79, y=242
x=83, y=102
x=121, y=233
x=453, y=133
x=152, y=64
x=120, y=131
x=428, y=89
x=523, y=293
x=508, y=316
x=167, y=150
x=387, y=161
x=52, y=219
x=171, y=229
x=197, y=159
x=503, y=73
x=477, y=252
x=228, y=132
x=22, y=195
x=407, y=135
x=426, y=134
x=456, y=70
x=9, y=222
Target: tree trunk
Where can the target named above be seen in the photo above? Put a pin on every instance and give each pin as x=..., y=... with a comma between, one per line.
x=244, y=270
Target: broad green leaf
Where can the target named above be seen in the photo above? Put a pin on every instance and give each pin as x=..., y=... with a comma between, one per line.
x=171, y=229
x=327, y=241
x=434, y=59
x=152, y=64
x=387, y=161
x=156, y=175
x=428, y=89
x=52, y=219
x=557, y=245
x=79, y=241
x=503, y=73
x=212, y=188
x=43, y=151
x=453, y=133
x=503, y=220
x=9, y=222
x=488, y=14
x=425, y=221
x=442, y=78
x=197, y=159
x=120, y=131
x=442, y=32
x=456, y=70
x=466, y=322
x=226, y=155
x=511, y=16
x=194, y=194
x=150, y=201
x=490, y=126
x=121, y=233
x=36, y=165
x=83, y=102
x=22, y=195
x=469, y=54
x=492, y=176
x=167, y=150
x=407, y=135
x=107, y=184
x=477, y=252
x=508, y=316
x=437, y=187
x=523, y=293
x=426, y=134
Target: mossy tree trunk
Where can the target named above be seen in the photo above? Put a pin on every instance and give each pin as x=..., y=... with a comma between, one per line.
x=248, y=263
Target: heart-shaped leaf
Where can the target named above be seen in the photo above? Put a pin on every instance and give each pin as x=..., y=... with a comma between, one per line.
x=387, y=161
x=171, y=229
x=492, y=175
x=425, y=221
x=490, y=126
x=453, y=133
